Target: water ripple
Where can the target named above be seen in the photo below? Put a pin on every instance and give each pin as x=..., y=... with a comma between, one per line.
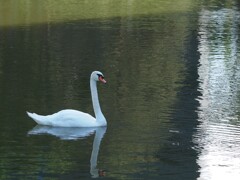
x=218, y=134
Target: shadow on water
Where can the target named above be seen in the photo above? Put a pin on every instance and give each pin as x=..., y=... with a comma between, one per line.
x=184, y=122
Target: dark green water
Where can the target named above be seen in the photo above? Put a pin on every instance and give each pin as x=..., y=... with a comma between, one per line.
x=171, y=102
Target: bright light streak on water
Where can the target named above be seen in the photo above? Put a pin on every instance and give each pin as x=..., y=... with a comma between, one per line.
x=218, y=134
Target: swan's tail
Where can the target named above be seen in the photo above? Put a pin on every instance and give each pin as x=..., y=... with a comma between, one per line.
x=37, y=118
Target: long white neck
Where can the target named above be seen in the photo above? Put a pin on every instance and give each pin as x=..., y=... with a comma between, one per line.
x=96, y=106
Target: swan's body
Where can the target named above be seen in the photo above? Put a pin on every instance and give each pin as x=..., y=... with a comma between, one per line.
x=74, y=118
x=66, y=118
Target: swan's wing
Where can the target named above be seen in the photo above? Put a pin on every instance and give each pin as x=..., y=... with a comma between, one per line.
x=65, y=118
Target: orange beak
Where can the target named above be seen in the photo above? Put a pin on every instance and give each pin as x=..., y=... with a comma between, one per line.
x=102, y=79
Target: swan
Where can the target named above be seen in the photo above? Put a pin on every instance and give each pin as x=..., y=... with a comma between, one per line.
x=74, y=118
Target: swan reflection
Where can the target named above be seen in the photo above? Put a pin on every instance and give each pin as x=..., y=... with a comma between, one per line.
x=73, y=134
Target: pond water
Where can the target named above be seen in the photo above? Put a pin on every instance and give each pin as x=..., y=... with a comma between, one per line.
x=172, y=99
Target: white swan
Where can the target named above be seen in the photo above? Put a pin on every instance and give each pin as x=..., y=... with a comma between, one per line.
x=74, y=118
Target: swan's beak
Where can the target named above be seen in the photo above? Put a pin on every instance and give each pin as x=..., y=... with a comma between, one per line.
x=102, y=79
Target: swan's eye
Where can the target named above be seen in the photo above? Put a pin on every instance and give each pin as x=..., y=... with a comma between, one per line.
x=100, y=76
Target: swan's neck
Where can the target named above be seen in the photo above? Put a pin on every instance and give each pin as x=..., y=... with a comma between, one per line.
x=96, y=106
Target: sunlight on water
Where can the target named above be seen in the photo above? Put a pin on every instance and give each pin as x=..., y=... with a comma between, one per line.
x=218, y=134
x=29, y=12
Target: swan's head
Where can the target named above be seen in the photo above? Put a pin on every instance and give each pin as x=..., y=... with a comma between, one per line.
x=98, y=76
